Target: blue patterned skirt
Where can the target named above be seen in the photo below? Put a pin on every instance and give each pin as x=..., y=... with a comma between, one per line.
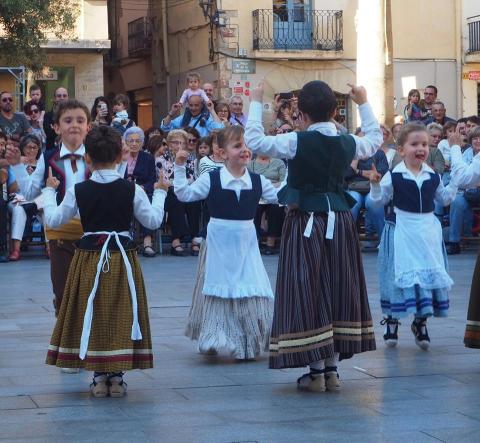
x=398, y=302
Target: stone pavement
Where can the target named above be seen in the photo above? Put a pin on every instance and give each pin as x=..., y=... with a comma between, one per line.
x=390, y=395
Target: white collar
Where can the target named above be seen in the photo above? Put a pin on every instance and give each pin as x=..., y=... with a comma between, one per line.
x=326, y=128
x=229, y=178
x=401, y=167
x=64, y=151
x=105, y=175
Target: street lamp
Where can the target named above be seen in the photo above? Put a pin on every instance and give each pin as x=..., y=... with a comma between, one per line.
x=205, y=5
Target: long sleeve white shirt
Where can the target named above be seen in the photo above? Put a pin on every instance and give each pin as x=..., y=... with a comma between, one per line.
x=31, y=185
x=199, y=189
x=148, y=214
x=462, y=174
x=382, y=193
x=285, y=145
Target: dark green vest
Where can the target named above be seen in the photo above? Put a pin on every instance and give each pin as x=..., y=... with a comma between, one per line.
x=317, y=171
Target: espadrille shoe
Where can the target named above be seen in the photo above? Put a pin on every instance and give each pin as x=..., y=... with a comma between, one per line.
x=314, y=381
x=332, y=380
x=99, y=386
x=116, y=386
x=70, y=370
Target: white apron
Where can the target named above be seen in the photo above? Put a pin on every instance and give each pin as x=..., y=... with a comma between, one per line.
x=418, y=246
x=233, y=265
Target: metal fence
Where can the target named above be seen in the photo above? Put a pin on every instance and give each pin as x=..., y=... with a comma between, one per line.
x=139, y=36
x=474, y=33
x=299, y=28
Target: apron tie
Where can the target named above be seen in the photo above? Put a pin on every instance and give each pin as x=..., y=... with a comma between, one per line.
x=104, y=266
x=330, y=223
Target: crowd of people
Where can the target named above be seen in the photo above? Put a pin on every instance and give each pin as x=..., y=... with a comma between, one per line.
x=230, y=187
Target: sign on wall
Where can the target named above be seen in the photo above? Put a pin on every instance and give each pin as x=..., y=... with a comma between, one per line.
x=243, y=66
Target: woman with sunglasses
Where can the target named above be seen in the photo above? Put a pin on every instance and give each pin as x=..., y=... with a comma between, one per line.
x=34, y=114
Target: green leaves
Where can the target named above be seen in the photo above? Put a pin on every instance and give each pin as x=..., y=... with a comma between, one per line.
x=27, y=24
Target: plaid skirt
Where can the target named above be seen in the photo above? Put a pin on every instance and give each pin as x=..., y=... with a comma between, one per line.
x=472, y=331
x=110, y=348
x=321, y=304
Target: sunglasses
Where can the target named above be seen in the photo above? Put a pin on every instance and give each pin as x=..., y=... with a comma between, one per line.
x=61, y=95
x=192, y=141
x=34, y=111
x=7, y=99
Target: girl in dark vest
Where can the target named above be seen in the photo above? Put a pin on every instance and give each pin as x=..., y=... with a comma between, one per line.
x=103, y=322
x=411, y=259
x=231, y=308
x=321, y=306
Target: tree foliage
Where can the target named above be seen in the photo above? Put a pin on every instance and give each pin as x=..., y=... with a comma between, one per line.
x=26, y=24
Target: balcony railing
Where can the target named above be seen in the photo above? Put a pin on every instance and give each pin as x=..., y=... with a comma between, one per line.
x=473, y=33
x=139, y=37
x=299, y=28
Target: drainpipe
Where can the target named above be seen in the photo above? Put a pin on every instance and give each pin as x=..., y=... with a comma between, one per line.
x=166, y=59
x=459, y=56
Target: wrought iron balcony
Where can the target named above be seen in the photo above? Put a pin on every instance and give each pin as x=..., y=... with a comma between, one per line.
x=299, y=28
x=473, y=34
x=139, y=37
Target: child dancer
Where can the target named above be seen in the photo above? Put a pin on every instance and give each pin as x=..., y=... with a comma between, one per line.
x=412, y=260
x=103, y=323
x=235, y=312
x=68, y=166
x=321, y=304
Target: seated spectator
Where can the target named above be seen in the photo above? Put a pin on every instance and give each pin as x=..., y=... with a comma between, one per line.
x=358, y=186
x=7, y=179
x=438, y=114
x=472, y=122
x=157, y=146
x=141, y=170
x=214, y=160
x=274, y=170
x=386, y=145
x=236, y=111
x=203, y=119
x=152, y=131
x=435, y=158
x=223, y=111
x=204, y=149
x=22, y=211
x=177, y=211
x=33, y=112
x=444, y=147
x=461, y=214
x=120, y=120
x=101, y=112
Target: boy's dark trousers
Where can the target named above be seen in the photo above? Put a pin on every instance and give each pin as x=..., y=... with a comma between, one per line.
x=61, y=255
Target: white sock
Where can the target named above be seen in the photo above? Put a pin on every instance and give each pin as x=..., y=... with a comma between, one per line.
x=318, y=365
x=332, y=362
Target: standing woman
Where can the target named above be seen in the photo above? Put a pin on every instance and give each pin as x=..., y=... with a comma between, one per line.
x=34, y=113
x=101, y=112
x=141, y=170
x=321, y=309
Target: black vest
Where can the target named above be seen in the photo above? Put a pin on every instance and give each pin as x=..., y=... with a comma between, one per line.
x=224, y=204
x=52, y=160
x=105, y=206
x=408, y=197
x=317, y=171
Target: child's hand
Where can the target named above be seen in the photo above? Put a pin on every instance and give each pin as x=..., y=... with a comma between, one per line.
x=455, y=138
x=358, y=94
x=257, y=93
x=374, y=176
x=125, y=152
x=175, y=109
x=181, y=157
x=162, y=183
x=52, y=182
x=210, y=106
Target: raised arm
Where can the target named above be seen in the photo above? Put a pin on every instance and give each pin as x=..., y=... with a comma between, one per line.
x=149, y=214
x=463, y=175
x=446, y=194
x=53, y=215
x=381, y=191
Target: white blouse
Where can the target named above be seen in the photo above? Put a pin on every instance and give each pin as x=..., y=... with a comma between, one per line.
x=381, y=193
x=199, y=189
x=464, y=175
x=285, y=145
x=149, y=215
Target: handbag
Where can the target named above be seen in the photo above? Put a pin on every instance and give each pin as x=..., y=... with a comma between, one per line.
x=360, y=186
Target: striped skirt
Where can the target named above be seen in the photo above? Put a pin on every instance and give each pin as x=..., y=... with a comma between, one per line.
x=399, y=302
x=239, y=326
x=321, y=304
x=110, y=347
x=472, y=332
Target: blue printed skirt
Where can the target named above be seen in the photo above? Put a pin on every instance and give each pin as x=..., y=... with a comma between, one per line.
x=398, y=302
